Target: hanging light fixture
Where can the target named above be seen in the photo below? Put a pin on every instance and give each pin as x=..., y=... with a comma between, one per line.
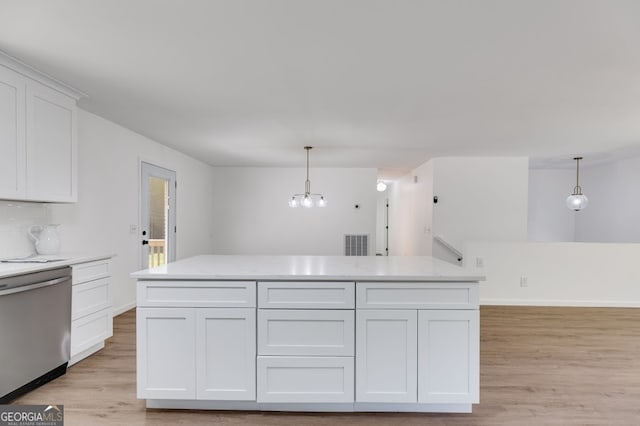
x=307, y=199
x=577, y=200
x=381, y=186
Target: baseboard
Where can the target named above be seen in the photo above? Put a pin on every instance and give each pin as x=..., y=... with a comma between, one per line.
x=567, y=303
x=123, y=309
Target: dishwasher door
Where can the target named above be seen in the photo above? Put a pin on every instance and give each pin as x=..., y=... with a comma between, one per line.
x=35, y=330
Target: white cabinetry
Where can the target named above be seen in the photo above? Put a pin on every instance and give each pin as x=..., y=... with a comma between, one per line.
x=386, y=362
x=51, y=145
x=91, y=308
x=38, y=141
x=166, y=353
x=305, y=351
x=12, y=135
x=424, y=349
x=226, y=353
x=448, y=360
x=207, y=352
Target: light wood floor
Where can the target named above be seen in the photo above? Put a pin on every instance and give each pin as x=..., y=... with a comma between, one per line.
x=539, y=366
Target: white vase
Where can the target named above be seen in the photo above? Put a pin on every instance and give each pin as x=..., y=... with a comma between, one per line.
x=47, y=240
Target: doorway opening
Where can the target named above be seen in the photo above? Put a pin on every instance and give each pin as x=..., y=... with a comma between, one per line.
x=157, y=215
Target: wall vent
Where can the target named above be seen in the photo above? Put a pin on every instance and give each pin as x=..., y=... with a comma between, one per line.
x=356, y=245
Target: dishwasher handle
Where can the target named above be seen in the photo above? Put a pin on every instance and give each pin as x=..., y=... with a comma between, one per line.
x=27, y=287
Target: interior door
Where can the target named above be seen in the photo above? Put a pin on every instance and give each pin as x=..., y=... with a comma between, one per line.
x=158, y=215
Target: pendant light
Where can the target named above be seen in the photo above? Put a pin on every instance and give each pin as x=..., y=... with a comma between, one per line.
x=307, y=199
x=577, y=200
x=381, y=186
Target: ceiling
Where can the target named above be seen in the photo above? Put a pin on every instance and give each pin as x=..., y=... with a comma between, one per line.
x=386, y=84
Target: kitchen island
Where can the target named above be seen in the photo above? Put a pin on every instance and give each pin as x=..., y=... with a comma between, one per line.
x=308, y=333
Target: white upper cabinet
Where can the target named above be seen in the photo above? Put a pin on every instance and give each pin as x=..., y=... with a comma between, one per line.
x=12, y=135
x=38, y=136
x=51, y=145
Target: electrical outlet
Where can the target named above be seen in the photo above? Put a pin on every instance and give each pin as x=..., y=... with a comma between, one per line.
x=479, y=262
x=524, y=281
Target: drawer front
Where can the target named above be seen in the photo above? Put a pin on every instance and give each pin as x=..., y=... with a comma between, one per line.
x=306, y=295
x=90, y=271
x=305, y=379
x=306, y=332
x=403, y=295
x=91, y=330
x=90, y=297
x=197, y=294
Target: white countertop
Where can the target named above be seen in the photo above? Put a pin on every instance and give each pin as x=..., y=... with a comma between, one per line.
x=13, y=269
x=310, y=268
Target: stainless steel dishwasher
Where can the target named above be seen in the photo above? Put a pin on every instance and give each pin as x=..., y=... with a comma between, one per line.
x=35, y=330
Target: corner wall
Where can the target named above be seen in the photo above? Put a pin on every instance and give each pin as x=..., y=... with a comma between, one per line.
x=107, y=204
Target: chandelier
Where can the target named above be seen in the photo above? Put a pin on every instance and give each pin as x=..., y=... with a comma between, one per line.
x=307, y=199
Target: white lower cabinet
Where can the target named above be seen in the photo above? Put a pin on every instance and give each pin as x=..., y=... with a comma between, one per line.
x=196, y=353
x=166, y=346
x=424, y=356
x=448, y=356
x=226, y=354
x=386, y=356
x=305, y=379
x=91, y=308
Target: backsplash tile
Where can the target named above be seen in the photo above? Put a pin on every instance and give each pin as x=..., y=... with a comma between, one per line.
x=15, y=219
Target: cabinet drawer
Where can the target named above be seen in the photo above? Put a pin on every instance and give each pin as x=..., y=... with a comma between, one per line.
x=91, y=330
x=305, y=379
x=198, y=294
x=90, y=271
x=404, y=295
x=306, y=295
x=306, y=332
x=90, y=297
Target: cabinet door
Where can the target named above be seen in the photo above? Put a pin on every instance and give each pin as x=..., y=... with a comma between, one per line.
x=12, y=135
x=51, y=145
x=386, y=351
x=166, y=353
x=448, y=356
x=226, y=353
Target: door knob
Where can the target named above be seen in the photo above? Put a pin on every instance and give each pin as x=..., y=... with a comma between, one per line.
x=145, y=242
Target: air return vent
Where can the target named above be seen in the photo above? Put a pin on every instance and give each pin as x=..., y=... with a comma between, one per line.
x=356, y=245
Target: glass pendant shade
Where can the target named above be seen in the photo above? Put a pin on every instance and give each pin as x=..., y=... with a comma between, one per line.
x=577, y=202
x=307, y=199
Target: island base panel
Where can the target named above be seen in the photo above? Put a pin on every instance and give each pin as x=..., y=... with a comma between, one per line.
x=182, y=404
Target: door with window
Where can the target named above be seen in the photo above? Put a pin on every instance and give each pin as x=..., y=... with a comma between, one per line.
x=158, y=215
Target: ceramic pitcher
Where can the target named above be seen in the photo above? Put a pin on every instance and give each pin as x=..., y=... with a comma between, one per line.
x=45, y=238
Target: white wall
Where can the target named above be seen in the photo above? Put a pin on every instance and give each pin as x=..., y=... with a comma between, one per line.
x=480, y=199
x=564, y=274
x=613, y=213
x=549, y=218
x=108, y=200
x=251, y=213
